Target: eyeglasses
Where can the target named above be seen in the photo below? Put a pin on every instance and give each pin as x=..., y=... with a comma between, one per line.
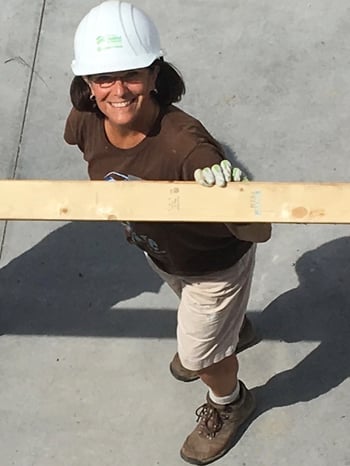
x=106, y=80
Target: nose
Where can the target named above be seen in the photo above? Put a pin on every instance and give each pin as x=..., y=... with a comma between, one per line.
x=119, y=87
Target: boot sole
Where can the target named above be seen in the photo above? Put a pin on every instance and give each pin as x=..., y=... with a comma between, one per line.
x=184, y=378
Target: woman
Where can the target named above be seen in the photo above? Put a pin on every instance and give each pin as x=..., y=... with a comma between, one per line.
x=124, y=121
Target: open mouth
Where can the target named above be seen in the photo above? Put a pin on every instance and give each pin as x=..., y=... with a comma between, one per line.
x=123, y=104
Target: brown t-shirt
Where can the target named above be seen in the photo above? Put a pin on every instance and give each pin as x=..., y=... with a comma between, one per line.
x=177, y=145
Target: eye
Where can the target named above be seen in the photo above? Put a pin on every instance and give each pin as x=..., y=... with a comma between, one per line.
x=105, y=78
x=134, y=75
x=102, y=78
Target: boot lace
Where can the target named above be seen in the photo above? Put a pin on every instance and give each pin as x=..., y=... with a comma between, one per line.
x=209, y=420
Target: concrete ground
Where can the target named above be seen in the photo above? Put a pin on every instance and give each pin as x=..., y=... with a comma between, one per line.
x=88, y=330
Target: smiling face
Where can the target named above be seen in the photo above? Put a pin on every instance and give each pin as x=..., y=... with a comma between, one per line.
x=125, y=97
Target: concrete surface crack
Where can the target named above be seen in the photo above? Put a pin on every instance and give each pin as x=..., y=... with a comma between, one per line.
x=21, y=61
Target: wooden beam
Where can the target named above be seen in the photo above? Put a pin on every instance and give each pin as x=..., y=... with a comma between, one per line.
x=175, y=201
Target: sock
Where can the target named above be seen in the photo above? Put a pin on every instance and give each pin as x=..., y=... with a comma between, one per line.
x=225, y=400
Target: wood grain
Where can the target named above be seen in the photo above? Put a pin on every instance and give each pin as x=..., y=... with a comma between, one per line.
x=175, y=201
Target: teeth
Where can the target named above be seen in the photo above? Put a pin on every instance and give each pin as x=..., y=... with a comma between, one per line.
x=120, y=104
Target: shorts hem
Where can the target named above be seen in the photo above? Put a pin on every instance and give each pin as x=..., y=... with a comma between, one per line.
x=209, y=361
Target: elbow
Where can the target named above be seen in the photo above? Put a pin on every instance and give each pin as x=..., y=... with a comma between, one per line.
x=264, y=233
x=253, y=232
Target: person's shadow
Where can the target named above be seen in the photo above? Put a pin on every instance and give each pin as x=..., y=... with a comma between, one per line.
x=71, y=281
x=318, y=310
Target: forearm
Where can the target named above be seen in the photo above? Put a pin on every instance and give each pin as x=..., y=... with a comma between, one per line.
x=254, y=232
x=220, y=174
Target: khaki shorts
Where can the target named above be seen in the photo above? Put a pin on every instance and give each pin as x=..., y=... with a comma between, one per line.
x=211, y=311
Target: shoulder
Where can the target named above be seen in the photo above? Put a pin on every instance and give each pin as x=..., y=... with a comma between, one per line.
x=188, y=137
x=78, y=124
x=184, y=128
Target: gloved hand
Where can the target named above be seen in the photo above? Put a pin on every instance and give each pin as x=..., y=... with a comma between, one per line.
x=219, y=175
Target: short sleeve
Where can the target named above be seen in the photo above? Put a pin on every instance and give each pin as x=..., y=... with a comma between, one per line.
x=69, y=132
x=73, y=132
x=204, y=154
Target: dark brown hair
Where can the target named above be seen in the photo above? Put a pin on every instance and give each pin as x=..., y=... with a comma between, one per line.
x=170, y=88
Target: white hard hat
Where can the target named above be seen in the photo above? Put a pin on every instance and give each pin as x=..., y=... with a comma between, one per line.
x=115, y=36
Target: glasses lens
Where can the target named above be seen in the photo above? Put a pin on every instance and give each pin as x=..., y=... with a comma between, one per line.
x=108, y=79
x=103, y=80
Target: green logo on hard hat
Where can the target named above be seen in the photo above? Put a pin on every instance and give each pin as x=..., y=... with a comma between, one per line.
x=108, y=42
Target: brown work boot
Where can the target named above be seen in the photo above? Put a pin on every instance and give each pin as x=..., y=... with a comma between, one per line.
x=247, y=338
x=217, y=427
x=180, y=372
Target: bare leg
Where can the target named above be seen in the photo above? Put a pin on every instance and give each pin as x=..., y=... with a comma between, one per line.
x=221, y=377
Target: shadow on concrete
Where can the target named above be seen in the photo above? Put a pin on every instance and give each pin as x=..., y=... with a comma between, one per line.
x=231, y=155
x=68, y=283
x=317, y=310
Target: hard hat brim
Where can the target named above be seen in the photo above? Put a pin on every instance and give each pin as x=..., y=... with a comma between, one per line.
x=85, y=69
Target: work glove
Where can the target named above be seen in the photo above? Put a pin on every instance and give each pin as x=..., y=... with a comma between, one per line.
x=219, y=175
